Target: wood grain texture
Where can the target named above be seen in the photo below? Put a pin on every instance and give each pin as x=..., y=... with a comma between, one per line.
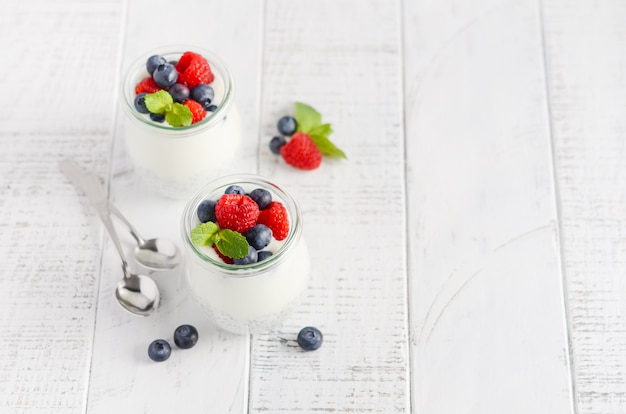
x=50, y=241
x=488, y=330
x=344, y=59
x=213, y=376
x=586, y=70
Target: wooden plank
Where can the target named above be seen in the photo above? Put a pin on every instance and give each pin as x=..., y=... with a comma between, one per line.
x=56, y=105
x=488, y=324
x=584, y=44
x=213, y=376
x=344, y=59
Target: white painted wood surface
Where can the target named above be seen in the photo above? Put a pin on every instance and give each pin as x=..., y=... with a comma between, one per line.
x=467, y=255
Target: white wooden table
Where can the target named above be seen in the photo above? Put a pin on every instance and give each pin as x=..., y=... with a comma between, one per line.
x=468, y=257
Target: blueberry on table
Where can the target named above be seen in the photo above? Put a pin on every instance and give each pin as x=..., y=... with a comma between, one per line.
x=165, y=75
x=159, y=350
x=310, y=338
x=276, y=143
x=259, y=236
x=153, y=62
x=287, y=125
x=179, y=92
x=262, y=255
x=203, y=94
x=250, y=258
x=140, y=103
x=234, y=189
x=206, y=211
x=262, y=197
x=185, y=336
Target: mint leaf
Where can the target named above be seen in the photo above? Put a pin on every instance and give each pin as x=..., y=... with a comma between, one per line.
x=159, y=102
x=326, y=147
x=307, y=118
x=205, y=234
x=324, y=130
x=179, y=115
x=232, y=244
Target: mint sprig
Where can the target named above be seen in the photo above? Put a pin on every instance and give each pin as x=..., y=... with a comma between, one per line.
x=230, y=243
x=310, y=122
x=176, y=114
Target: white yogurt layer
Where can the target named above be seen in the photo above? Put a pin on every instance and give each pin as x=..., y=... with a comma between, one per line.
x=177, y=161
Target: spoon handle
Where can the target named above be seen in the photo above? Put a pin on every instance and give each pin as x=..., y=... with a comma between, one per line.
x=90, y=184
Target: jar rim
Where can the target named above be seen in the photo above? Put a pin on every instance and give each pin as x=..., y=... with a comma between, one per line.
x=214, y=187
x=137, y=71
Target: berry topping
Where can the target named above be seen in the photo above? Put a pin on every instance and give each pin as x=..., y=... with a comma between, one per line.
x=310, y=338
x=236, y=212
x=287, y=125
x=157, y=117
x=259, y=236
x=250, y=258
x=153, y=62
x=203, y=94
x=206, y=211
x=262, y=255
x=226, y=259
x=301, y=152
x=197, y=111
x=275, y=217
x=211, y=108
x=159, y=350
x=193, y=70
x=234, y=189
x=185, y=336
x=276, y=143
x=262, y=197
x=165, y=75
x=179, y=92
x=148, y=85
x=140, y=103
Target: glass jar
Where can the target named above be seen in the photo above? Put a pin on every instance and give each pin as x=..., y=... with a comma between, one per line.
x=176, y=161
x=247, y=298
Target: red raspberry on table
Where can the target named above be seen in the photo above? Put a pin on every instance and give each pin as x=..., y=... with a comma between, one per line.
x=236, y=212
x=275, y=217
x=301, y=152
x=193, y=69
x=147, y=85
x=197, y=111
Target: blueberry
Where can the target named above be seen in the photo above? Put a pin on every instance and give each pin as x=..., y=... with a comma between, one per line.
x=287, y=125
x=262, y=255
x=259, y=236
x=203, y=94
x=140, y=103
x=153, y=62
x=310, y=338
x=157, y=117
x=276, y=143
x=185, y=336
x=211, y=108
x=234, y=189
x=179, y=92
x=262, y=197
x=159, y=350
x=206, y=211
x=165, y=75
x=249, y=259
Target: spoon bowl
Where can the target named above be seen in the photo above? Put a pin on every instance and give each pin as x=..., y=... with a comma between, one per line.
x=137, y=294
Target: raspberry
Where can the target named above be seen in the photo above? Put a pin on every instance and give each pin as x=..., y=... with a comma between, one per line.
x=226, y=259
x=147, y=85
x=197, y=111
x=236, y=212
x=193, y=70
x=275, y=217
x=301, y=152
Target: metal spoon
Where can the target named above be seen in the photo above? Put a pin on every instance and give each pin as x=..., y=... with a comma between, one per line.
x=136, y=293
